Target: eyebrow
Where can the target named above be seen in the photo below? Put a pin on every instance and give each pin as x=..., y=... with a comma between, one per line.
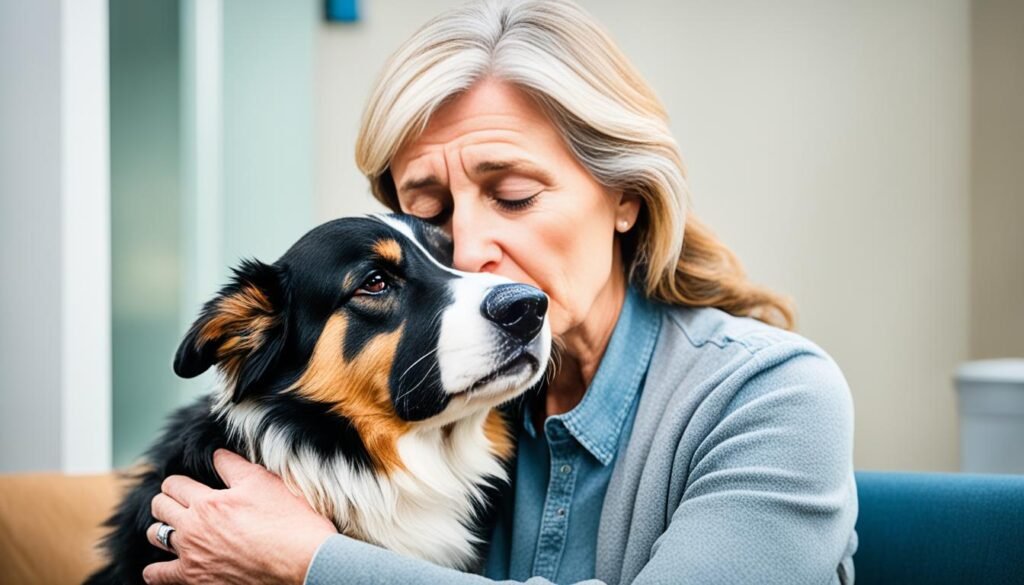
x=514, y=166
x=428, y=181
x=486, y=167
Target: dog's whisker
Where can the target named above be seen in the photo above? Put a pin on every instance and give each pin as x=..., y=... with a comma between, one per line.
x=418, y=384
x=423, y=357
x=554, y=360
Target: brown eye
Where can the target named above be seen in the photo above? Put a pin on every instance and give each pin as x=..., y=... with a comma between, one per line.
x=374, y=285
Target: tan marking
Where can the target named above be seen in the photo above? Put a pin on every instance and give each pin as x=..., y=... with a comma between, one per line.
x=358, y=390
x=349, y=282
x=388, y=250
x=497, y=432
x=241, y=320
x=234, y=312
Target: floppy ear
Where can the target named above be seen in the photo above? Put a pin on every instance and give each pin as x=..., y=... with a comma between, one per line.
x=242, y=329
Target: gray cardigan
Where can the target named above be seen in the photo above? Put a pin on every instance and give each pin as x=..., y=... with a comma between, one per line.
x=738, y=470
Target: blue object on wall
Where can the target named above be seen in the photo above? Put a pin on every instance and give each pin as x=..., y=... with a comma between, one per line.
x=342, y=10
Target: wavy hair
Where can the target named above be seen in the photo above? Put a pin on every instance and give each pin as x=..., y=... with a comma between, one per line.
x=607, y=114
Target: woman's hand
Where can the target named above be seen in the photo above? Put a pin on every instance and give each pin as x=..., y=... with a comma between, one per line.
x=255, y=531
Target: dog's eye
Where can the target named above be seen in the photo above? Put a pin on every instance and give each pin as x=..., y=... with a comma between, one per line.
x=374, y=285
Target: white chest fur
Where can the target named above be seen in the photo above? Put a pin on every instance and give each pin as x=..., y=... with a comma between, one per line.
x=423, y=510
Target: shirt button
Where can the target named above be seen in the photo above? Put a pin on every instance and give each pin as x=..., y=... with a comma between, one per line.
x=565, y=468
x=561, y=512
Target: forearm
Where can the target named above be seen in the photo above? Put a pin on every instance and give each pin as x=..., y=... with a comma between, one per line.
x=343, y=560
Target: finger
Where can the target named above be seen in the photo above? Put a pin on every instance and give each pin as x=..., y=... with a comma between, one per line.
x=232, y=467
x=152, y=538
x=166, y=509
x=183, y=490
x=163, y=573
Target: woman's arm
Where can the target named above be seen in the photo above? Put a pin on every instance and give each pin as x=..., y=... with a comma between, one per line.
x=255, y=531
x=770, y=498
x=344, y=560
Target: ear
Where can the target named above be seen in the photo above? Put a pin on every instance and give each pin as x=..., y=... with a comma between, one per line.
x=242, y=329
x=627, y=208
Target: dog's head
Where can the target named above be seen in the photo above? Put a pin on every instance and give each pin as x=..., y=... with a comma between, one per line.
x=365, y=317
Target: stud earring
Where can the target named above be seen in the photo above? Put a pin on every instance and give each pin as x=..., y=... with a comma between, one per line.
x=623, y=225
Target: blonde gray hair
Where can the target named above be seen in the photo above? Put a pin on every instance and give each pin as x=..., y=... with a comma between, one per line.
x=607, y=114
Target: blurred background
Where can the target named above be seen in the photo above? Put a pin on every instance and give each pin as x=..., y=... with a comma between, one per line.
x=865, y=157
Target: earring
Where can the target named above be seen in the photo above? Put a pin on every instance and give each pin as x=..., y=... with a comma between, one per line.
x=623, y=225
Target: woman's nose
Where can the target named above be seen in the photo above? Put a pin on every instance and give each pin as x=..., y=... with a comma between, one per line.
x=476, y=249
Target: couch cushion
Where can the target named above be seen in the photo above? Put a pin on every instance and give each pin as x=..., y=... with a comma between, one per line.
x=50, y=524
x=939, y=528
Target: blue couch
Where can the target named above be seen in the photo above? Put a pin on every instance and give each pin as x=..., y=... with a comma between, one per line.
x=940, y=528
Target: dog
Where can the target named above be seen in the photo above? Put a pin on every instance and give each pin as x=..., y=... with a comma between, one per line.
x=366, y=373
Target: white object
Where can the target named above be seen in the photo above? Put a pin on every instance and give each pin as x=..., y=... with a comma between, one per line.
x=991, y=394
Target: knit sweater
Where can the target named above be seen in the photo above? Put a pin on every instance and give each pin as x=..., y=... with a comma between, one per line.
x=738, y=469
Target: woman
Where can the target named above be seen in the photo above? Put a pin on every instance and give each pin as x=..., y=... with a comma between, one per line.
x=683, y=438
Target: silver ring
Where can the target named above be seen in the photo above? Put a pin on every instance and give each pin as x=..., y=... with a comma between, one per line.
x=163, y=534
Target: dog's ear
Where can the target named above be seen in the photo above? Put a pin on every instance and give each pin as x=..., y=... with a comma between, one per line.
x=242, y=329
x=433, y=239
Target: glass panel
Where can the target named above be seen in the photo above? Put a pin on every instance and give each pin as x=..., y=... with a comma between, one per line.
x=211, y=161
x=145, y=211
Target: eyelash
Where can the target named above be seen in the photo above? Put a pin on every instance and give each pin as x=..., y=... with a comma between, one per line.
x=507, y=205
x=517, y=204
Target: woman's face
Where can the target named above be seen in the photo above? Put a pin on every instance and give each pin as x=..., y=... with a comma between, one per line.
x=492, y=170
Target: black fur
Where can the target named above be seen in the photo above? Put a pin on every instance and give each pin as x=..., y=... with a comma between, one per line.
x=304, y=288
x=186, y=447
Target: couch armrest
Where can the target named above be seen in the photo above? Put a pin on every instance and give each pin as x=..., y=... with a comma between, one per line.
x=50, y=524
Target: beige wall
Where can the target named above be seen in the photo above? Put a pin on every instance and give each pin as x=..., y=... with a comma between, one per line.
x=997, y=179
x=348, y=59
x=827, y=144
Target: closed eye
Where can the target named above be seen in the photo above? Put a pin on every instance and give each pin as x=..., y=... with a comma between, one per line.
x=516, y=204
x=440, y=218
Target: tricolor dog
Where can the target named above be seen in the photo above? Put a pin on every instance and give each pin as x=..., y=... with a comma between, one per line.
x=365, y=372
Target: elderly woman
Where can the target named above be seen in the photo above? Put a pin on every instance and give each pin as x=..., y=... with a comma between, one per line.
x=685, y=435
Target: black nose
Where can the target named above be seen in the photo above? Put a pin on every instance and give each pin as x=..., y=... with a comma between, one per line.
x=517, y=308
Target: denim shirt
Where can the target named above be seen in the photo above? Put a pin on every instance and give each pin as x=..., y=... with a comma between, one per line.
x=738, y=468
x=549, y=529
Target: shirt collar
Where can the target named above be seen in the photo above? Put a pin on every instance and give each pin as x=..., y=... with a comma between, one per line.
x=597, y=421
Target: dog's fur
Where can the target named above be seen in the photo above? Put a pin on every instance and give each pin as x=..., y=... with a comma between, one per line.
x=374, y=402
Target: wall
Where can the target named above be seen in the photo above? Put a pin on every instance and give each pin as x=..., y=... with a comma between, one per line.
x=833, y=145
x=30, y=235
x=997, y=179
x=827, y=143
x=268, y=125
x=54, y=232
x=349, y=56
